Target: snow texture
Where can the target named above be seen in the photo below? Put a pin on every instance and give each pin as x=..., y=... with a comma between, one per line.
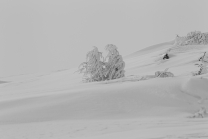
x=140, y=105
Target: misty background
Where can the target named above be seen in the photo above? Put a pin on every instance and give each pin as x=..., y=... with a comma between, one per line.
x=49, y=35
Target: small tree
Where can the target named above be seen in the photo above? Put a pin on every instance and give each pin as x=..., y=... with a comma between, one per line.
x=202, y=70
x=93, y=67
x=203, y=65
x=192, y=38
x=96, y=68
x=114, y=67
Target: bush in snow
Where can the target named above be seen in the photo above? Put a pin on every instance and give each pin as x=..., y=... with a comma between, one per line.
x=192, y=38
x=202, y=70
x=96, y=68
x=163, y=74
x=114, y=66
x=204, y=58
x=93, y=68
x=200, y=114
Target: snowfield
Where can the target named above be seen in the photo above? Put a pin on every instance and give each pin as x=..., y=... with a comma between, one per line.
x=58, y=105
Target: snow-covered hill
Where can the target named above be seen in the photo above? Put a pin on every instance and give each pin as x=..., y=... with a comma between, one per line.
x=58, y=105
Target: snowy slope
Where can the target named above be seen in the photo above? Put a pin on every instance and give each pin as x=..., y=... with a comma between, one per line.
x=58, y=105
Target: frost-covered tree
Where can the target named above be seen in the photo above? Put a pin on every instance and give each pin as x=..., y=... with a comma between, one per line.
x=197, y=38
x=96, y=68
x=93, y=68
x=192, y=38
x=202, y=70
x=203, y=65
x=114, y=66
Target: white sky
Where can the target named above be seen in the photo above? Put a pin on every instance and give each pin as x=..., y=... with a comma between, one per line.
x=46, y=35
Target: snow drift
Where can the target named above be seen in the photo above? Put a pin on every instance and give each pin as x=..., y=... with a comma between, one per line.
x=59, y=99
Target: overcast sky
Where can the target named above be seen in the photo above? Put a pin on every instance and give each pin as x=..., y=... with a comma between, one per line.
x=47, y=35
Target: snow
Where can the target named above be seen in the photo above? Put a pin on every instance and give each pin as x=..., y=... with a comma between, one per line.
x=58, y=105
